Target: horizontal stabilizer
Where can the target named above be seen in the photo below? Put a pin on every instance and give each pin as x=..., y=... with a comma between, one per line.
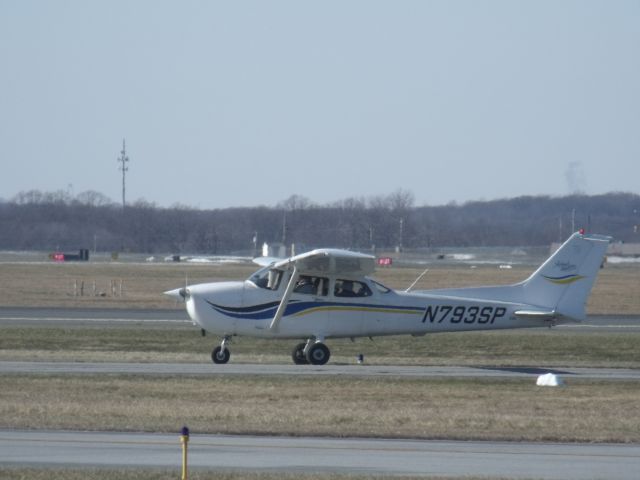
x=548, y=315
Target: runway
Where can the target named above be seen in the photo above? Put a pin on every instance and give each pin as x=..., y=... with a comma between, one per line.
x=66, y=317
x=235, y=369
x=305, y=454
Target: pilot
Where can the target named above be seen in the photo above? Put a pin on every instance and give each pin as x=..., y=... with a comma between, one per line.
x=305, y=285
x=345, y=289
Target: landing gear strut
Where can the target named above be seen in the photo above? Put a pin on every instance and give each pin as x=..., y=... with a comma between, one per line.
x=221, y=353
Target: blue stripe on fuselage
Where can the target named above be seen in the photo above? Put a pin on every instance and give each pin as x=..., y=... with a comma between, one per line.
x=268, y=310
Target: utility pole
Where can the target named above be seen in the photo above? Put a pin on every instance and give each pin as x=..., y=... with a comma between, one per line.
x=284, y=227
x=123, y=168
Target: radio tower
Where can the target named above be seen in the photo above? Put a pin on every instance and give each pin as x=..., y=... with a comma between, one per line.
x=123, y=168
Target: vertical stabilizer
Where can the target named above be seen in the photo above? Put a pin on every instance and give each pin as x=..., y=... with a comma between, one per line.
x=564, y=281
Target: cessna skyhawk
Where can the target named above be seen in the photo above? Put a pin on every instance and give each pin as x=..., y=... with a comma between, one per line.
x=327, y=293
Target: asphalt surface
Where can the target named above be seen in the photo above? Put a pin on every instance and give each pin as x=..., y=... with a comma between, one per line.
x=304, y=454
x=236, y=369
x=39, y=316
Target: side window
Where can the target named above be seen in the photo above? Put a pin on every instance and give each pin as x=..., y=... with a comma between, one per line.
x=312, y=285
x=351, y=288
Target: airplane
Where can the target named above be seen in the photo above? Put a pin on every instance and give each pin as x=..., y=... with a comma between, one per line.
x=328, y=293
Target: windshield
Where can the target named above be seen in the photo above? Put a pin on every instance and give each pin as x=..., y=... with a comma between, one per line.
x=380, y=287
x=268, y=278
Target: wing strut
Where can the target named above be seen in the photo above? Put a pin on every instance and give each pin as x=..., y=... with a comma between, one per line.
x=417, y=280
x=285, y=299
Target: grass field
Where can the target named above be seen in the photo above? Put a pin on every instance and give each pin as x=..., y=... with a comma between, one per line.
x=447, y=408
x=585, y=411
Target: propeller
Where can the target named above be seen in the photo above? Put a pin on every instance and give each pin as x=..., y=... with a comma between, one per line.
x=184, y=292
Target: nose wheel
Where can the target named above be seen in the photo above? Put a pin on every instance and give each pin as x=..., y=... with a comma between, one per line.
x=221, y=353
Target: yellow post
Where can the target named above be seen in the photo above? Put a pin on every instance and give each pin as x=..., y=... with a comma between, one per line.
x=184, y=440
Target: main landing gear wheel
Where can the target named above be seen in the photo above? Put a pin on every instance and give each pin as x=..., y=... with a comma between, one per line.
x=298, y=354
x=220, y=354
x=318, y=354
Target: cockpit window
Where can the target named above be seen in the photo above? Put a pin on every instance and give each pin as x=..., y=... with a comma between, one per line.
x=312, y=285
x=268, y=278
x=379, y=287
x=351, y=288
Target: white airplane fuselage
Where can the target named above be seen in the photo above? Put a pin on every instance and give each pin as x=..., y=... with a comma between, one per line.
x=244, y=309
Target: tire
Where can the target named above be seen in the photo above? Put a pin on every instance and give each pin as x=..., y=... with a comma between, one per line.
x=298, y=354
x=318, y=354
x=219, y=355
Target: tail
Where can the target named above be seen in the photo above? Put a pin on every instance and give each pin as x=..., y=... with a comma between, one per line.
x=563, y=283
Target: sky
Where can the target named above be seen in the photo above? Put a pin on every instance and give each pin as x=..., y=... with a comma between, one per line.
x=245, y=103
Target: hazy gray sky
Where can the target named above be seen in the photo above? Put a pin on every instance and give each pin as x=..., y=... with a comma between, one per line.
x=248, y=102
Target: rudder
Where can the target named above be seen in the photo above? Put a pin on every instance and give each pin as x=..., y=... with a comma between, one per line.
x=564, y=281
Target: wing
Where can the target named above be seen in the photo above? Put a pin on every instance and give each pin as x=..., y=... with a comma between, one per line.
x=265, y=261
x=329, y=261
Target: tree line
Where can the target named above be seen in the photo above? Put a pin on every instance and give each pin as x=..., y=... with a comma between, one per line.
x=36, y=220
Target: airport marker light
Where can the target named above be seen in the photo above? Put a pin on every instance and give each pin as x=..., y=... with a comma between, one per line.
x=184, y=441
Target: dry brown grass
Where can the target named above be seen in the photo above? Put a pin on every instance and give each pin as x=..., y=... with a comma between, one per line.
x=51, y=284
x=407, y=408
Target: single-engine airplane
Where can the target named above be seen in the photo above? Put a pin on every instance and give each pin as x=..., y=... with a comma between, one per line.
x=327, y=293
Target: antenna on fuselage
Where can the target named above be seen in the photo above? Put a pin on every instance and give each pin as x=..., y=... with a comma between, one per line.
x=417, y=279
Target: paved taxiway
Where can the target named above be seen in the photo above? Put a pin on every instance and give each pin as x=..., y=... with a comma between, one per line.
x=395, y=371
x=364, y=456
x=41, y=316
